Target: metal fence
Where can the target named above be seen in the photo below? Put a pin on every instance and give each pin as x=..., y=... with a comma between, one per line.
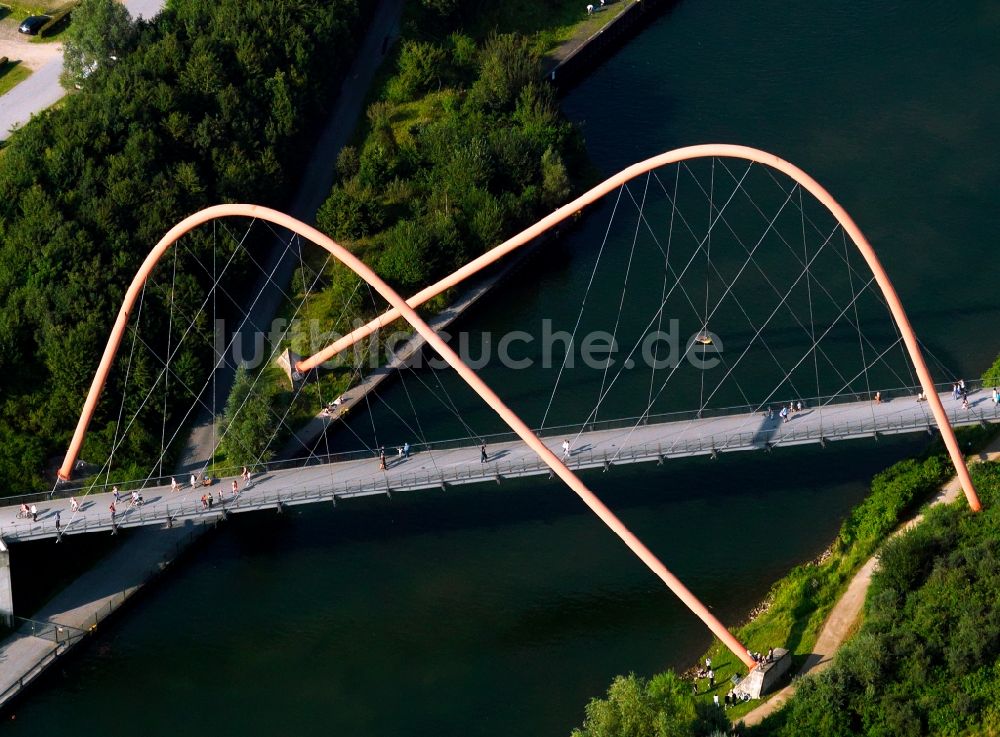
x=88, y=486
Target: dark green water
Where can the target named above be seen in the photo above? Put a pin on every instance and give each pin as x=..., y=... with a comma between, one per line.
x=496, y=610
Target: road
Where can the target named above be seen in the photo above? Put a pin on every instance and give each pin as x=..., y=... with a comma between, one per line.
x=42, y=88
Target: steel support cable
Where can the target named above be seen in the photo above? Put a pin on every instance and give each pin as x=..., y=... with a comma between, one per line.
x=583, y=305
x=857, y=319
x=812, y=321
x=450, y=403
x=676, y=284
x=416, y=418
x=319, y=381
x=773, y=313
x=746, y=315
x=215, y=325
x=244, y=314
x=766, y=218
x=269, y=276
x=666, y=276
x=708, y=272
x=166, y=378
x=825, y=332
x=877, y=294
x=400, y=370
x=864, y=370
x=186, y=387
x=700, y=246
x=729, y=285
x=115, y=441
x=784, y=299
x=621, y=301
x=307, y=290
x=221, y=358
x=371, y=415
x=187, y=330
x=282, y=420
x=830, y=399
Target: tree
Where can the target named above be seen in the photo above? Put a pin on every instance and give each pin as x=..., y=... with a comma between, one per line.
x=101, y=30
x=555, y=180
x=635, y=707
x=248, y=423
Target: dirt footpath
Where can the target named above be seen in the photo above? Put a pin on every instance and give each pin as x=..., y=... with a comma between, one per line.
x=847, y=611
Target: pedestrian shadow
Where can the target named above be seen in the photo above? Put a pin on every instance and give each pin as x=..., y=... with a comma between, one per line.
x=800, y=413
x=499, y=454
x=582, y=449
x=86, y=505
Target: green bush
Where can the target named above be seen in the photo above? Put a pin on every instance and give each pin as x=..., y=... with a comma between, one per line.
x=926, y=660
x=991, y=377
x=59, y=20
x=422, y=67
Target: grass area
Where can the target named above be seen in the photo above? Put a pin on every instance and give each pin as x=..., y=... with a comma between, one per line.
x=22, y=10
x=16, y=12
x=551, y=23
x=11, y=74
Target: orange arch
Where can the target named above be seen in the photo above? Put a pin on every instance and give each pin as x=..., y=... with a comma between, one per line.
x=443, y=349
x=672, y=157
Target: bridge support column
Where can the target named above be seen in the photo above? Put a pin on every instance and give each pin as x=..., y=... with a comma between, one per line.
x=6, y=590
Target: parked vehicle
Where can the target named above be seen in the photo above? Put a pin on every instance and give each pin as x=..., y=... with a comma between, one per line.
x=33, y=24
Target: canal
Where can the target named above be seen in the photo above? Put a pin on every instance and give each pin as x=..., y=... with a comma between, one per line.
x=502, y=609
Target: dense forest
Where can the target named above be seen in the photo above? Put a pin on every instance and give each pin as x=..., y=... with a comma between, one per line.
x=211, y=102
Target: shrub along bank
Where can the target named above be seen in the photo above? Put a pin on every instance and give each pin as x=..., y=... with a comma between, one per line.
x=925, y=660
x=794, y=610
x=463, y=145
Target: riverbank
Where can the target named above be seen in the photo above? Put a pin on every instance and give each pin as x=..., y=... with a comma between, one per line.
x=843, y=619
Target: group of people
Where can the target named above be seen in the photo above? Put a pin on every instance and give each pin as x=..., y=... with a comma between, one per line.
x=786, y=410
x=135, y=498
x=332, y=407
x=402, y=452
x=758, y=658
x=206, y=481
x=958, y=391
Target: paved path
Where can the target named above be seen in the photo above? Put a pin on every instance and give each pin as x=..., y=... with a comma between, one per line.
x=86, y=602
x=42, y=89
x=314, y=188
x=358, y=474
x=847, y=611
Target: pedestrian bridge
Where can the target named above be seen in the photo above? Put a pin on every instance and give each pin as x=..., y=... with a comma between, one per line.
x=441, y=465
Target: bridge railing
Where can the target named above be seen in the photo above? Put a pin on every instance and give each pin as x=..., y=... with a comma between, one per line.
x=92, y=486
x=775, y=434
x=57, y=633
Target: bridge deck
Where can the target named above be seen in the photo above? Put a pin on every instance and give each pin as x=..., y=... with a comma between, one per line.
x=461, y=465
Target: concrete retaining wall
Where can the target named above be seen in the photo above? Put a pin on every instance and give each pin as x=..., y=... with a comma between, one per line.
x=606, y=41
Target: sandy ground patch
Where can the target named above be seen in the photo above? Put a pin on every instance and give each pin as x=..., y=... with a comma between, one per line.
x=17, y=46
